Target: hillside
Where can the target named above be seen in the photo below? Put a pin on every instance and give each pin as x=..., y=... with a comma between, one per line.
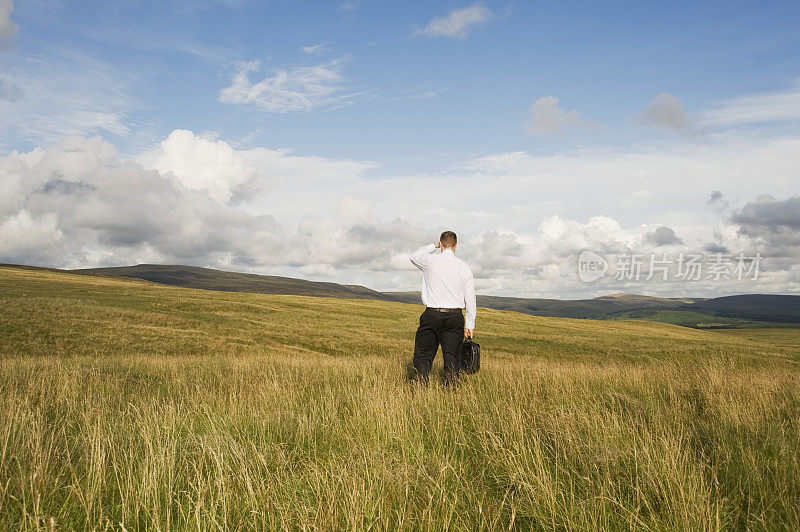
x=77, y=298
x=598, y=308
x=210, y=279
x=730, y=311
x=136, y=406
x=726, y=312
x=755, y=306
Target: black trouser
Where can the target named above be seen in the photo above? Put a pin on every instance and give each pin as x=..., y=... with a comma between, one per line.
x=435, y=328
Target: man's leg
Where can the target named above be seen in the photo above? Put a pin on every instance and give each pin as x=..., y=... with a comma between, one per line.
x=452, y=336
x=426, y=342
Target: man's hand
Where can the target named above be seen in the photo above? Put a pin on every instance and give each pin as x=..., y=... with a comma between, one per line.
x=468, y=333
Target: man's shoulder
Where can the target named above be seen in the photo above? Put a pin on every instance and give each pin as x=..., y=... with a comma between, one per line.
x=462, y=263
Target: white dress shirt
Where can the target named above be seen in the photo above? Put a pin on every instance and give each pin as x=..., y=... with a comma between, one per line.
x=446, y=281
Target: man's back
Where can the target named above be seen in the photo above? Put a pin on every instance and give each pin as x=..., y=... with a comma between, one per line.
x=446, y=281
x=447, y=289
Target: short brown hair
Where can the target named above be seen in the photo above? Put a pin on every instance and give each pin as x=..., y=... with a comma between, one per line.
x=448, y=239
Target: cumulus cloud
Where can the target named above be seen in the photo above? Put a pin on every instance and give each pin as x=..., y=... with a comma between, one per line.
x=717, y=201
x=293, y=89
x=457, y=23
x=663, y=236
x=102, y=205
x=713, y=247
x=7, y=26
x=666, y=111
x=768, y=214
x=203, y=164
x=22, y=235
x=774, y=224
x=547, y=118
x=241, y=176
x=195, y=199
x=79, y=204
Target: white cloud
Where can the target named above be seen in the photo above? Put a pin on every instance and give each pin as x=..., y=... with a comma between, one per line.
x=424, y=95
x=243, y=176
x=759, y=108
x=302, y=88
x=79, y=203
x=197, y=200
x=314, y=48
x=666, y=111
x=22, y=234
x=203, y=164
x=66, y=93
x=457, y=23
x=547, y=118
x=7, y=26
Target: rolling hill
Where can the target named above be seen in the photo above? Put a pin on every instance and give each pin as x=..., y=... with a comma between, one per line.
x=598, y=308
x=129, y=405
x=766, y=307
x=730, y=311
x=723, y=312
x=224, y=281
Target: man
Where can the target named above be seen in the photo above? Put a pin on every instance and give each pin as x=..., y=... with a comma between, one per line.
x=447, y=289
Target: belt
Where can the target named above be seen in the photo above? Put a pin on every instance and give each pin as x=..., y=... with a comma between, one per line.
x=444, y=309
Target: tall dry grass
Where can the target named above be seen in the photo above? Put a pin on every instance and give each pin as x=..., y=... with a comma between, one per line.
x=129, y=406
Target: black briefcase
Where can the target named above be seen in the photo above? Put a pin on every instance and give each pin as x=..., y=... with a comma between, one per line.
x=470, y=356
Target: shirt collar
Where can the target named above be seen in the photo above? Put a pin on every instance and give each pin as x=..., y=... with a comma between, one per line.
x=450, y=251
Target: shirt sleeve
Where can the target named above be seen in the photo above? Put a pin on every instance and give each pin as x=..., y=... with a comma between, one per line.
x=469, y=299
x=420, y=257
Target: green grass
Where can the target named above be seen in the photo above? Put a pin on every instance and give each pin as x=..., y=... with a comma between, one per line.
x=785, y=337
x=128, y=405
x=701, y=319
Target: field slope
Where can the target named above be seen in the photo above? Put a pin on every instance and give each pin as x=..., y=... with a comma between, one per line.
x=210, y=279
x=131, y=405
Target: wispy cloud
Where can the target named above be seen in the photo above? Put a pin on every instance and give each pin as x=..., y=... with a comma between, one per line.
x=758, y=108
x=425, y=95
x=421, y=92
x=7, y=26
x=546, y=117
x=69, y=93
x=293, y=89
x=314, y=48
x=457, y=23
x=348, y=6
x=666, y=112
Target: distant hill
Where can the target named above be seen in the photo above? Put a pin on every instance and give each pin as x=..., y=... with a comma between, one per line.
x=210, y=279
x=768, y=307
x=597, y=308
x=721, y=312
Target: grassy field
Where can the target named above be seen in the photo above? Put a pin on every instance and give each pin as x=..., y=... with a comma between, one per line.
x=128, y=405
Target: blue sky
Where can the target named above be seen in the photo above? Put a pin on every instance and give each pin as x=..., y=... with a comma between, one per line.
x=524, y=111
x=605, y=60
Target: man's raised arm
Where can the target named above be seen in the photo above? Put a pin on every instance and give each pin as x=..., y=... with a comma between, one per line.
x=469, y=301
x=420, y=257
